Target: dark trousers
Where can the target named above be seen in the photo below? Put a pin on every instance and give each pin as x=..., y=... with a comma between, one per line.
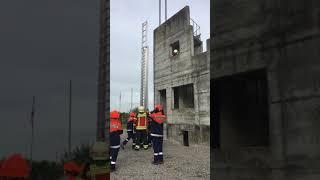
x=134, y=138
x=149, y=138
x=114, y=147
x=157, y=143
x=141, y=137
x=130, y=136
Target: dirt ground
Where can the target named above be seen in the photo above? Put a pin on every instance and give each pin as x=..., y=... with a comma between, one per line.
x=180, y=162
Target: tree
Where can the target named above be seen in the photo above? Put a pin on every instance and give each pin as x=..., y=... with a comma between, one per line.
x=80, y=154
x=123, y=117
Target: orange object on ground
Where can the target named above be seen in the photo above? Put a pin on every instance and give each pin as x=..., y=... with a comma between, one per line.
x=15, y=166
x=72, y=170
x=0, y=168
x=71, y=167
x=102, y=177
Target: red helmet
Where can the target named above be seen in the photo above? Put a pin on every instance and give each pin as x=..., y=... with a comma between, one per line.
x=132, y=114
x=158, y=107
x=114, y=115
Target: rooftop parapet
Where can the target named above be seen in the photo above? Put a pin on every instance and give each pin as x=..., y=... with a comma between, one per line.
x=179, y=21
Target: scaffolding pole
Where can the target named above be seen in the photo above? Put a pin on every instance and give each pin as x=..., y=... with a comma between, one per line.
x=70, y=111
x=144, y=66
x=165, y=8
x=131, y=100
x=159, y=12
x=103, y=79
x=32, y=126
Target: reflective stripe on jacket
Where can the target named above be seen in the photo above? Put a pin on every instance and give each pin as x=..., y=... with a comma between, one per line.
x=141, y=121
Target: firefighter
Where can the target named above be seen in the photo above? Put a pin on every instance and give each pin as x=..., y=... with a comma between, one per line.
x=157, y=116
x=141, y=129
x=148, y=131
x=115, y=132
x=134, y=134
x=130, y=124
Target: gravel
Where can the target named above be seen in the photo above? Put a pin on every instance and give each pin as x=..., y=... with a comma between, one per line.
x=180, y=162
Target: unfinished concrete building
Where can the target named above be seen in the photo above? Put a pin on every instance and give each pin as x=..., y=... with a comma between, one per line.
x=265, y=89
x=181, y=78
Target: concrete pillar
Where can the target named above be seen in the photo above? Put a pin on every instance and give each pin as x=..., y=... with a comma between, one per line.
x=196, y=108
x=157, y=97
x=169, y=103
x=276, y=137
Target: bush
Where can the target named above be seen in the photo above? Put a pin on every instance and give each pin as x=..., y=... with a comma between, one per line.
x=47, y=170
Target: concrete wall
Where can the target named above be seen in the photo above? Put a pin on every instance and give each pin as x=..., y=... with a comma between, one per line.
x=189, y=67
x=283, y=37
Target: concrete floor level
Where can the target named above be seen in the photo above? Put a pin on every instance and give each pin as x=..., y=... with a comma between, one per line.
x=180, y=162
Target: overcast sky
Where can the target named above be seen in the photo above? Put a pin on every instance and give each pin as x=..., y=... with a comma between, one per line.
x=127, y=17
x=43, y=44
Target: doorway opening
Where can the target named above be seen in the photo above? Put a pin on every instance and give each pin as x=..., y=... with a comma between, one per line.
x=239, y=108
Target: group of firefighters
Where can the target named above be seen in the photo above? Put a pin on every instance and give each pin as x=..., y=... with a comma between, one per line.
x=144, y=128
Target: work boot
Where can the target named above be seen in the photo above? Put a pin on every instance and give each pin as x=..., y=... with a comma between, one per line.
x=160, y=161
x=125, y=141
x=137, y=148
x=155, y=163
x=155, y=160
x=113, y=167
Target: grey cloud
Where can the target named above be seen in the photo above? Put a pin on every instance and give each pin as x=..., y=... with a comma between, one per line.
x=43, y=44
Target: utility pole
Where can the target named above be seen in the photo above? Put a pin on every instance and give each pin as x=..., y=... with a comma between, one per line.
x=103, y=79
x=131, y=100
x=120, y=102
x=165, y=11
x=100, y=149
x=70, y=111
x=159, y=12
x=165, y=8
x=32, y=125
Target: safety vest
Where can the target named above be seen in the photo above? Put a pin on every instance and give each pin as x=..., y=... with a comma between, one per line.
x=158, y=117
x=141, y=121
x=115, y=125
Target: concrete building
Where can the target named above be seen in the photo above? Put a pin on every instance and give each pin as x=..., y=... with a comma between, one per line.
x=181, y=78
x=265, y=95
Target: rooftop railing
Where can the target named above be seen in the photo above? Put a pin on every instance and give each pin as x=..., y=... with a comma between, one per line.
x=196, y=29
